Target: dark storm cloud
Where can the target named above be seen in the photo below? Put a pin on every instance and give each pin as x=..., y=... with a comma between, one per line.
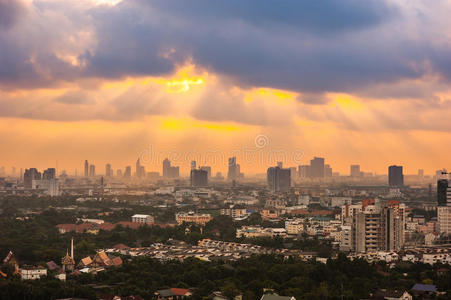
x=24, y=68
x=313, y=46
x=307, y=46
x=130, y=42
x=327, y=16
x=10, y=12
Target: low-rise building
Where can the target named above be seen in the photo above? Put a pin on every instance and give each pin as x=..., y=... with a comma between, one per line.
x=32, y=273
x=257, y=231
x=295, y=226
x=173, y=294
x=276, y=297
x=269, y=214
x=144, y=219
x=192, y=217
x=235, y=211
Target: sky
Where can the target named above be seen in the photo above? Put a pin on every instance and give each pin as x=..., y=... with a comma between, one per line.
x=356, y=82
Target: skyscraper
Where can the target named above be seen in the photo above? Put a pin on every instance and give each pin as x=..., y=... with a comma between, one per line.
x=108, y=171
x=92, y=170
x=170, y=171
x=395, y=176
x=50, y=173
x=233, y=172
x=293, y=173
x=443, y=193
x=420, y=173
x=279, y=180
x=317, y=167
x=444, y=219
x=128, y=172
x=140, y=171
x=86, y=168
x=30, y=175
x=379, y=229
x=304, y=171
x=327, y=171
x=208, y=169
x=174, y=172
x=166, y=167
x=355, y=171
x=193, y=165
x=198, y=178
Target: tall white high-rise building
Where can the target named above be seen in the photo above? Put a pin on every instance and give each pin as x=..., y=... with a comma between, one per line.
x=444, y=219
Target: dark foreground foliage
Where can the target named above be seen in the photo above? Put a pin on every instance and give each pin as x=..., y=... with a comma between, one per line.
x=338, y=279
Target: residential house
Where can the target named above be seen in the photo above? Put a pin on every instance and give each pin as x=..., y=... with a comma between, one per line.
x=276, y=297
x=421, y=290
x=173, y=294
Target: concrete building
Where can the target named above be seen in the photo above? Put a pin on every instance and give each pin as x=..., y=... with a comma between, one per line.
x=278, y=179
x=374, y=228
x=346, y=241
x=295, y=227
x=32, y=273
x=348, y=211
x=444, y=219
x=140, y=170
x=327, y=171
x=128, y=172
x=170, y=171
x=235, y=211
x=395, y=176
x=108, y=170
x=317, y=167
x=86, y=168
x=233, y=169
x=198, y=178
x=304, y=171
x=208, y=169
x=144, y=219
x=30, y=175
x=444, y=206
x=51, y=186
x=355, y=171
x=48, y=174
x=192, y=217
x=92, y=171
x=443, y=193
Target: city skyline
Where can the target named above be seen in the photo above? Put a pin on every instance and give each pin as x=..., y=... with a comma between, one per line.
x=182, y=169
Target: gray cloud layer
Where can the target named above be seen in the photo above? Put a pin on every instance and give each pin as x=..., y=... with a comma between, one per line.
x=307, y=46
x=10, y=12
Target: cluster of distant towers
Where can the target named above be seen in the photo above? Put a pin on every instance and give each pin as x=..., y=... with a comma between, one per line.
x=279, y=178
x=199, y=176
x=90, y=170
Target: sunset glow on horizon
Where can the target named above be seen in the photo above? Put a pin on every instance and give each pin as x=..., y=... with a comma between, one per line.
x=105, y=80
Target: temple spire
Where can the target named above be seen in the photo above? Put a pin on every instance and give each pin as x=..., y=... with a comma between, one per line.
x=72, y=248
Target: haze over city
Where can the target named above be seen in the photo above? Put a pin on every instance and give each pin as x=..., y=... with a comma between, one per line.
x=225, y=149
x=352, y=82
